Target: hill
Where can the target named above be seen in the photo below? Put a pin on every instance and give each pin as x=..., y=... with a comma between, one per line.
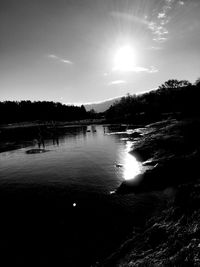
x=101, y=106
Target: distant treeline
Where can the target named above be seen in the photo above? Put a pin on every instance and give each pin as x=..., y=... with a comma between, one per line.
x=174, y=97
x=14, y=111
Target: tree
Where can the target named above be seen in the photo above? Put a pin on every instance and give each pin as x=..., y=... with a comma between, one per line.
x=173, y=83
x=197, y=82
x=184, y=83
x=14, y=111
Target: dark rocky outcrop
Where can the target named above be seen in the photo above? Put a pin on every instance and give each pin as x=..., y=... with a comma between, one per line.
x=172, y=150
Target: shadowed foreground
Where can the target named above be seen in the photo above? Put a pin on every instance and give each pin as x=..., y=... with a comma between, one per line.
x=40, y=225
x=171, y=150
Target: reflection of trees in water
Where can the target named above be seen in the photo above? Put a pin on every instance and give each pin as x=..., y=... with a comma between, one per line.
x=67, y=132
x=40, y=138
x=84, y=131
x=43, y=134
x=55, y=140
x=93, y=128
x=116, y=128
x=55, y=134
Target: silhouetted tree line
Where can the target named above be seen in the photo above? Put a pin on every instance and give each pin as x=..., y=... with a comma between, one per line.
x=174, y=97
x=14, y=111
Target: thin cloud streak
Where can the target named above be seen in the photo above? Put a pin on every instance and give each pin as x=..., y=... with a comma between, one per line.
x=66, y=61
x=138, y=69
x=117, y=82
x=152, y=69
x=52, y=56
x=155, y=48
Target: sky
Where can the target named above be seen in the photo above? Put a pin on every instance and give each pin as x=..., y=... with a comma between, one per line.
x=84, y=51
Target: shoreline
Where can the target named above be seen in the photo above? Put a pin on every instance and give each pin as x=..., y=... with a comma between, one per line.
x=170, y=237
x=170, y=149
x=14, y=136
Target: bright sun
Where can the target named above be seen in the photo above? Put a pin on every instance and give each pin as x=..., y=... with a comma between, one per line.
x=125, y=59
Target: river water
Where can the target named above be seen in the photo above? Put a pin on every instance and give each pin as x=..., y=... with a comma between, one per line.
x=57, y=205
x=94, y=157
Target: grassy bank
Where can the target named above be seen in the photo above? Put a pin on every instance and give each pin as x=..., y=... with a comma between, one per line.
x=171, y=150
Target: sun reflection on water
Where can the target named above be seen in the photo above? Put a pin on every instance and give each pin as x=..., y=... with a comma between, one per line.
x=131, y=166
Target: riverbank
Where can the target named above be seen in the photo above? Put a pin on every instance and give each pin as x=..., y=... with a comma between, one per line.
x=170, y=238
x=171, y=150
x=148, y=215
x=56, y=207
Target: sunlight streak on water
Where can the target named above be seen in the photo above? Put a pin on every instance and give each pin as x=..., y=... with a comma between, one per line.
x=83, y=160
x=131, y=166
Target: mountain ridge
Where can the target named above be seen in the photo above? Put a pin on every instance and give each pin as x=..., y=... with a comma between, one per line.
x=101, y=106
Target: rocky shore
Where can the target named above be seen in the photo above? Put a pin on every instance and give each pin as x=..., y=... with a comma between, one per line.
x=171, y=151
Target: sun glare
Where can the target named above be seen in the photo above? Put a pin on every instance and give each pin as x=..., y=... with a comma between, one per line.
x=125, y=59
x=131, y=165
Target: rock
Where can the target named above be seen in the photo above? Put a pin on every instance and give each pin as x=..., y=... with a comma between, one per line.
x=36, y=151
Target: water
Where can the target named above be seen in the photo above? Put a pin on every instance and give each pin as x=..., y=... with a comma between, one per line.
x=56, y=206
x=82, y=157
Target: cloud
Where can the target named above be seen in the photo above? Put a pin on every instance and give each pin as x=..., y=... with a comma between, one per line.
x=155, y=48
x=160, y=39
x=152, y=69
x=161, y=15
x=117, y=82
x=66, y=61
x=136, y=69
x=159, y=26
x=159, y=31
x=181, y=3
x=52, y=56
